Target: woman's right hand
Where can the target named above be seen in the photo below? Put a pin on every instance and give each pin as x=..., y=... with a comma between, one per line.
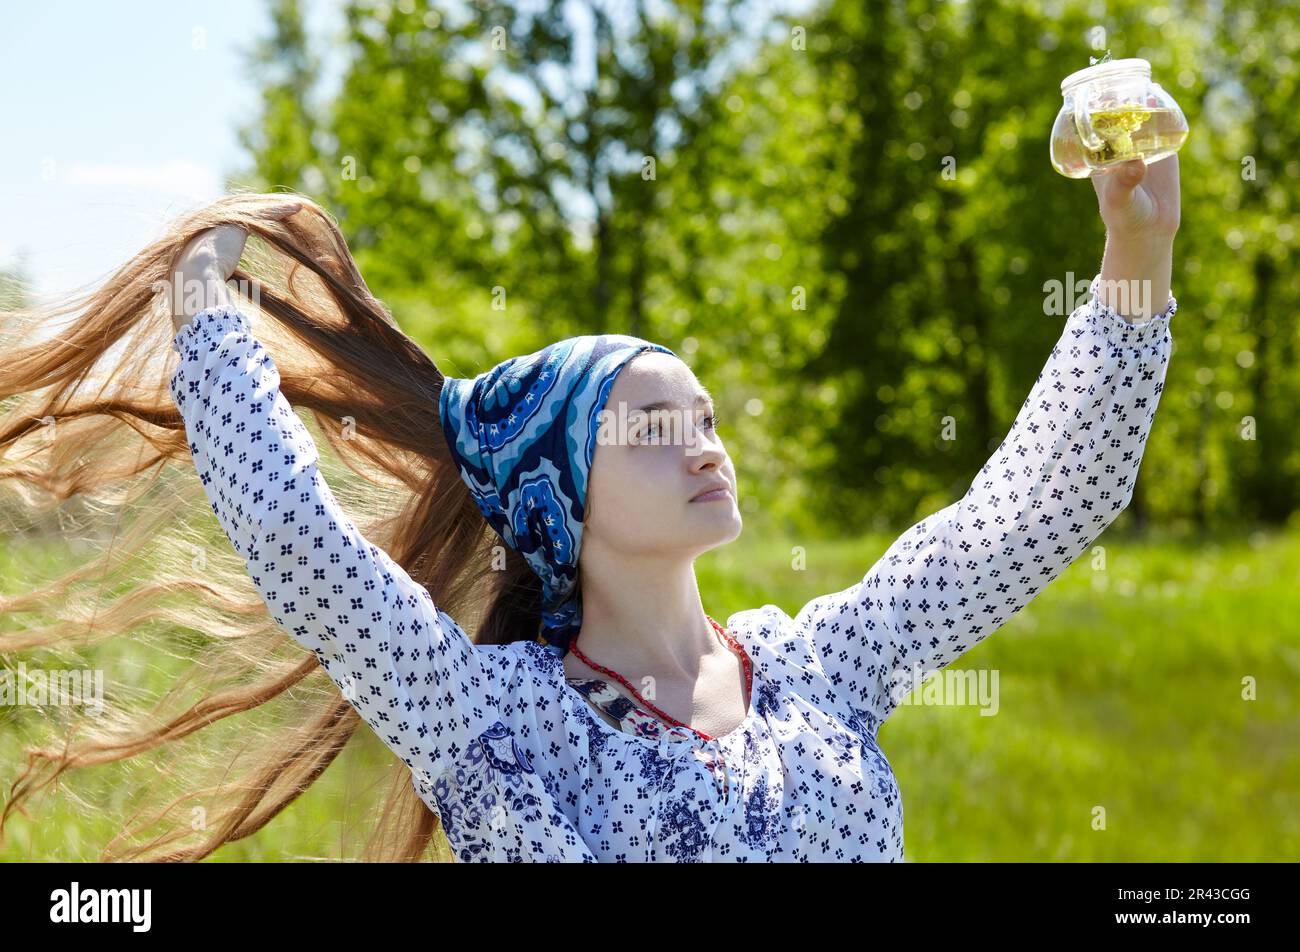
x=204, y=267
x=207, y=262
x=219, y=248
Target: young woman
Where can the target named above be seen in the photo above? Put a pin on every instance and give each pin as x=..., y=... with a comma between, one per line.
x=600, y=714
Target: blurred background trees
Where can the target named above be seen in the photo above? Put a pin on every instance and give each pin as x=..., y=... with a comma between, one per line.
x=842, y=215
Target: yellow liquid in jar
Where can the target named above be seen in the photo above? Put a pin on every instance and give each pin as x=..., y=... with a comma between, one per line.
x=1132, y=131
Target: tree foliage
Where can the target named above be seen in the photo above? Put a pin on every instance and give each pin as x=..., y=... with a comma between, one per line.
x=844, y=218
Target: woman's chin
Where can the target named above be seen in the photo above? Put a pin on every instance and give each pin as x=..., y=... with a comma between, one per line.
x=724, y=523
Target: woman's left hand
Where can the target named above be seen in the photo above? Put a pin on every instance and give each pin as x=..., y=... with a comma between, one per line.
x=1139, y=204
x=1139, y=201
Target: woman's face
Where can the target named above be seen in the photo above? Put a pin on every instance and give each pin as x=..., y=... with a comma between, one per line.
x=649, y=464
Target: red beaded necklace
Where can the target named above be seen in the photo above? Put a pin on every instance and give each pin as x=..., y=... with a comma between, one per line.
x=727, y=639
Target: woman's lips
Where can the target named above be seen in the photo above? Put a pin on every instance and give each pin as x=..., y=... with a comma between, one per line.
x=713, y=495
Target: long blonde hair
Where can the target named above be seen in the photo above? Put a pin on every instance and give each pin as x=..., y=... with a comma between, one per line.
x=87, y=430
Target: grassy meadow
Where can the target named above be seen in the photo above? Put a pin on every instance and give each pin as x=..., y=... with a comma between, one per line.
x=1119, y=689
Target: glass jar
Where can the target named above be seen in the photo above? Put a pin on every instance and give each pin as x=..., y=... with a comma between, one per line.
x=1113, y=113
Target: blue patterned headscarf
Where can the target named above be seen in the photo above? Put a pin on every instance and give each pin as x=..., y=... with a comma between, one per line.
x=523, y=435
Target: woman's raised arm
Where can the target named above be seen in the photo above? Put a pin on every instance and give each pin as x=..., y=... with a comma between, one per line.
x=405, y=665
x=1061, y=476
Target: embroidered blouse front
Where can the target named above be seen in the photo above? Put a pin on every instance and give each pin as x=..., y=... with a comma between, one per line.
x=622, y=710
x=508, y=751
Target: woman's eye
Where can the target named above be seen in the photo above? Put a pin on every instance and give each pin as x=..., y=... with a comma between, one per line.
x=651, y=433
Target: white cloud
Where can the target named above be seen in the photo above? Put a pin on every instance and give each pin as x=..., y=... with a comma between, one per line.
x=190, y=179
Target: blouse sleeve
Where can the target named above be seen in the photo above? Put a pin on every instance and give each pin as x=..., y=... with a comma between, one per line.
x=404, y=665
x=1062, y=475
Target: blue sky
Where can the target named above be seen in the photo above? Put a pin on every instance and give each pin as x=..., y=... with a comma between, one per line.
x=118, y=117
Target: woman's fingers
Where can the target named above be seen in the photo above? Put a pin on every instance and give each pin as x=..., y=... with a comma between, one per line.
x=281, y=212
x=219, y=248
x=1115, y=185
x=229, y=241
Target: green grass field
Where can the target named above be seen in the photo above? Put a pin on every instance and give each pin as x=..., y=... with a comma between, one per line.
x=1120, y=691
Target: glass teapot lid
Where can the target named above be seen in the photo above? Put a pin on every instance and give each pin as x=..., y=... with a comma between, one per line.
x=1105, y=69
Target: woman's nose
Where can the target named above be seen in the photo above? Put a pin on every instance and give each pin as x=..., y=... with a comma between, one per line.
x=706, y=448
